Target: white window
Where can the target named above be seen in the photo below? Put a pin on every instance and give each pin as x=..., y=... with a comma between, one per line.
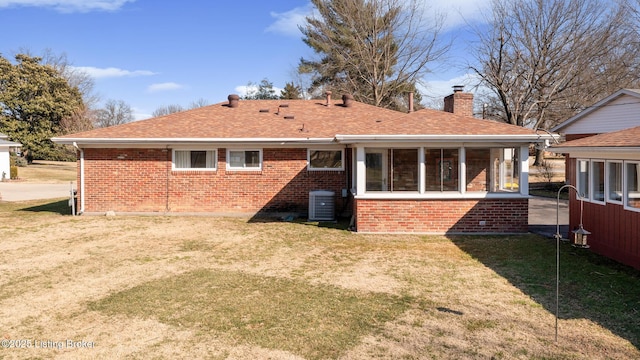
x=442, y=169
x=194, y=160
x=597, y=181
x=614, y=182
x=331, y=160
x=244, y=159
x=582, y=178
x=632, y=186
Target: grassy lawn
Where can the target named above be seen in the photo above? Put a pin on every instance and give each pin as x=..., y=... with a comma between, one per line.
x=217, y=288
x=42, y=171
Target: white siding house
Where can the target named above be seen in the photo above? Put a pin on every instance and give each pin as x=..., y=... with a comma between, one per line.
x=5, y=147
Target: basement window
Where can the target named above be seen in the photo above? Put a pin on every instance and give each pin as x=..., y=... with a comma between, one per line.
x=244, y=159
x=330, y=160
x=194, y=160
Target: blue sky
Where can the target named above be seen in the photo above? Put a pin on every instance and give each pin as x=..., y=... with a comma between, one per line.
x=152, y=53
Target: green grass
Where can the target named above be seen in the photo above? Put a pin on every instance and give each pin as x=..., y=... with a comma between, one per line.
x=314, y=321
x=589, y=282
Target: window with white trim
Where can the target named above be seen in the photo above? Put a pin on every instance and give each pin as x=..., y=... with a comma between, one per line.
x=244, y=159
x=330, y=160
x=597, y=181
x=194, y=160
x=614, y=181
x=582, y=178
x=442, y=169
x=632, y=186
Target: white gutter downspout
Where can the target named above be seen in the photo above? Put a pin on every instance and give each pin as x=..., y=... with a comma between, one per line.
x=81, y=178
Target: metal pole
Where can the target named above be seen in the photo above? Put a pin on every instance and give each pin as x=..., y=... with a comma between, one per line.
x=558, y=237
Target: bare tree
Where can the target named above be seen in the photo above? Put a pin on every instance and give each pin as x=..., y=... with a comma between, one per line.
x=115, y=112
x=198, y=103
x=166, y=110
x=375, y=50
x=547, y=59
x=174, y=108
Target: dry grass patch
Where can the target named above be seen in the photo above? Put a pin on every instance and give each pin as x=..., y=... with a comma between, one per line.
x=53, y=172
x=202, y=287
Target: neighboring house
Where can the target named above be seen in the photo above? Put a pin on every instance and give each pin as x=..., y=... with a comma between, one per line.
x=603, y=162
x=6, y=147
x=426, y=171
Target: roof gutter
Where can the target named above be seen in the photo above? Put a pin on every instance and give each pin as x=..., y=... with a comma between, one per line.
x=443, y=138
x=608, y=149
x=169, y=141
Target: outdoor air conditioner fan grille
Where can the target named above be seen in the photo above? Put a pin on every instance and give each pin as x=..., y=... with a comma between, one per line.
x=321, y=205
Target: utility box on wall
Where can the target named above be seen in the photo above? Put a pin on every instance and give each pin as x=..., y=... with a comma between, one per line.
x=321, y=205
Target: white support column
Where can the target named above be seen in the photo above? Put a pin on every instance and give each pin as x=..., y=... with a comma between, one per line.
x=82, y=193
x=524, y=170
x=463, y=170
x=361, y=171
x=422, y=171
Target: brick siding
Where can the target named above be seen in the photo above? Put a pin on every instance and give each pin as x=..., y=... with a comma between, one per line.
x=442, y=216
x=141, y=180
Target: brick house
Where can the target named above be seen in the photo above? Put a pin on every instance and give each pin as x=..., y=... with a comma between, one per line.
x=603, y=163
x=424, y=171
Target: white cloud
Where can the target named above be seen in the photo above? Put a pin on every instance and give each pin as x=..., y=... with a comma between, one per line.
x=287, y=23
x=243, y=90
x=435, y=91
x=139, y=114
x=167, y=86
x=459, y=12
x=69, y=6
x=110, y=72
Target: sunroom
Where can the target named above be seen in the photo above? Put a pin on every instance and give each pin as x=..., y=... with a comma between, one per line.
x=445, y=171
x=441, y=187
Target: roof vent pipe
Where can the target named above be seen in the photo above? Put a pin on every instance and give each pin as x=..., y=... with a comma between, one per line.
x=233, y=100
x=347, y=100
x=328, y=93
x=411, y=102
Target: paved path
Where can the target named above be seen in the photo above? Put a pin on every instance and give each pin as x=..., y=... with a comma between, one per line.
x=20, y=191
x=543, y=213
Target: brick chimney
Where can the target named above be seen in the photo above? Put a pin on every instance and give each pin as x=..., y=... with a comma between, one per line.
x=460, y=102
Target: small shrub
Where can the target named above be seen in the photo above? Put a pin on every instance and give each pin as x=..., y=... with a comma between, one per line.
x=19, y=161
x=546, y=170
x=14, y=172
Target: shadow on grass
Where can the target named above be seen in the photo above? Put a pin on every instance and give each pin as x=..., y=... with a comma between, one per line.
x=591, y=286
x=340, y=224
x=56, y=207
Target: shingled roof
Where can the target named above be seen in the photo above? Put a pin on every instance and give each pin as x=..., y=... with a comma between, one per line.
x=298, y=120
x=627, y=138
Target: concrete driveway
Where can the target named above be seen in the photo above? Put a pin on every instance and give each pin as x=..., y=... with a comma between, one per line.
x=542, y=216
x=17, y=191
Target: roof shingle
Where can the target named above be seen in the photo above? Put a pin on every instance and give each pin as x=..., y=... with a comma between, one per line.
x=293, y=119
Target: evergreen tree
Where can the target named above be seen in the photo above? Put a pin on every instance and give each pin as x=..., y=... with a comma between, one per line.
x=35, y=100
x=376, y=50
x=290, y=91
